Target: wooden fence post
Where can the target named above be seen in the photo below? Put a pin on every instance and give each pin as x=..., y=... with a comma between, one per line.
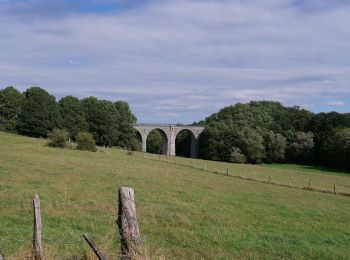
x=1, y=256
x=334, y=189
x=309, y=183
x=37, y=246
x=127, y=222
x=227, y=171
x=94, y=248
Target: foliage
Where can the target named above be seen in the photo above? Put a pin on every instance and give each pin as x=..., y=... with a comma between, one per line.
x=156, y=141
x=251, y=144
x=275, y=147
x=11, y=102
x=337, y=146
x=110, y=123
x=290, y=133
x=85, y=142
x=58, y=138
x=183, y=144
x=126, y=134
x=73, y=118
x=40, y=113
x=237, y=156
x=300, y=145
x=100, y=116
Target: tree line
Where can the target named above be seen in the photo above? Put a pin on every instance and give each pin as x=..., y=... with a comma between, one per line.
x=255, y=132
x=36, y=113
x=266, y=131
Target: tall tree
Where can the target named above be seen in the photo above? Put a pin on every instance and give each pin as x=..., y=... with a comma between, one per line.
x=40, y=113
x=300, y=146
x=11, y=102
x=101, y=118
x=337, y=148
x=251, y=144
x=73, y=116
x=126, y=134
x=275, y=146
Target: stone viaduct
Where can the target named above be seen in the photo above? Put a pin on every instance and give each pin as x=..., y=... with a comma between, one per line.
x=169, y=134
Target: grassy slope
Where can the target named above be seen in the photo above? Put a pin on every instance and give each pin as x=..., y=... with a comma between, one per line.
x=296, y=175
x=184, y=212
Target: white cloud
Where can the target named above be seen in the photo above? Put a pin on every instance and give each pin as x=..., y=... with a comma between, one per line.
x=190, y=57
x=335, y=103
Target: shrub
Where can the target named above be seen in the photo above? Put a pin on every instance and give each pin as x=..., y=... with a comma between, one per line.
x=58, y=138
x=237, y=156
x=85, y=142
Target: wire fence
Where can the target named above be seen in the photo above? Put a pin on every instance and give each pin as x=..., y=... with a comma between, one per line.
x=254, y=176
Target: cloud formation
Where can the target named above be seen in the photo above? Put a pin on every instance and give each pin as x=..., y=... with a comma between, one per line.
x=179, y=61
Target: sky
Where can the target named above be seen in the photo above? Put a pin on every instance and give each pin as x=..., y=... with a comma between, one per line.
x=178, y=61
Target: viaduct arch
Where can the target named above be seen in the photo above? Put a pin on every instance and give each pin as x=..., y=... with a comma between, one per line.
x=170, y=132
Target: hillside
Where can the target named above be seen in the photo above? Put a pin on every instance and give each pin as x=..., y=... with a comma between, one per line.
x=184, y=212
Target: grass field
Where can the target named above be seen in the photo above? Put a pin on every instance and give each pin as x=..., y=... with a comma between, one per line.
x=184, y=212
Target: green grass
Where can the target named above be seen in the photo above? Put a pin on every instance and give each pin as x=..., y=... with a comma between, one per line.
x=184, y=213
x=284, y=174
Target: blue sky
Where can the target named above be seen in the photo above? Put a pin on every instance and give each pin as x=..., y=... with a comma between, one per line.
x=180, y=60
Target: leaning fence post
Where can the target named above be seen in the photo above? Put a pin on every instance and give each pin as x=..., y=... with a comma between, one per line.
x=94, y=248
x=37, y=246
x=127, y=222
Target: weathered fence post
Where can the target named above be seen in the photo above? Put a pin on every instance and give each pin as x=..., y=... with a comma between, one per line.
x=37, y=246
x=227, y=171
x=334, y=189
x=309, y=183
x=127, y=221
x=94, y=248
x=1, y=256
x=269, y=179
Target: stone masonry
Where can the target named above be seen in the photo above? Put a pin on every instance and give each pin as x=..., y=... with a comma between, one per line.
x=170, y=132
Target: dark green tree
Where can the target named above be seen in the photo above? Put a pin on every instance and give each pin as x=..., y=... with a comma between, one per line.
x=300, y=145
x=125, y=120
x=251, y=144
x=337, y=148
x=156, y=141
x=183, y=144
x=11, y=102
x=73, y=116
x=275, y=147
x=217, y=141
x=101, y=119
x=40, y=113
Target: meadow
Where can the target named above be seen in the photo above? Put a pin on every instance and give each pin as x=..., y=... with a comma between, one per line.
x=184, y=212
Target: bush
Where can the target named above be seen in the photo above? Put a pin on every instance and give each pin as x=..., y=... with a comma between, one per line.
x=85, y=142
x=58, y=138
x=237, y=156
